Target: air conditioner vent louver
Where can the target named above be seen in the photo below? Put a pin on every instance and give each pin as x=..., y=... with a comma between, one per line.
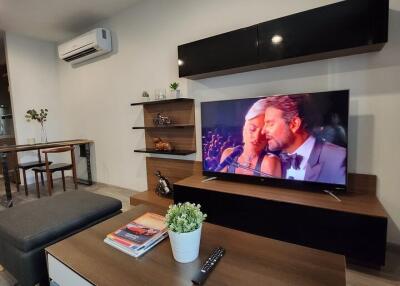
x=81, y=54
x=87, y=46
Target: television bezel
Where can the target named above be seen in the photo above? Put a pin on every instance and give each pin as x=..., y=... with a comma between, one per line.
x=278, y=182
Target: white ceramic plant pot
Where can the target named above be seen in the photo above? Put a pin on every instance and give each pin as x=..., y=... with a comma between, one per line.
x=185, y=246
x=175, y=94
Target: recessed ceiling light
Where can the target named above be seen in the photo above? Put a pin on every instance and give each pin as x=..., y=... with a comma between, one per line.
x=276, y=39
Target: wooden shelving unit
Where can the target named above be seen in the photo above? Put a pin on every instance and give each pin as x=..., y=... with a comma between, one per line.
x=173, y=152
x=166, y=101
x=165, y=126
x=181, y=133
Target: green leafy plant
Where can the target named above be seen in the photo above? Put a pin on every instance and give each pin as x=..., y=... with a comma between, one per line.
x=184, y=217
x=41, y=117
x=174, y=86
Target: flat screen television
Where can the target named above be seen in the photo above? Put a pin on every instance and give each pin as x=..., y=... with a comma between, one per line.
x=296, y=140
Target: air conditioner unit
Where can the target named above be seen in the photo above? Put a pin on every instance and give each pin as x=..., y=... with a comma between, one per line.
x=89, y=45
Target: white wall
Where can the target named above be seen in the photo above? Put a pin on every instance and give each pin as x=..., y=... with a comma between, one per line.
x=33, y=76
x=145, y=57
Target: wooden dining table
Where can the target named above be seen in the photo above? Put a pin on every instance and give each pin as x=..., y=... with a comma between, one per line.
x=7, y=201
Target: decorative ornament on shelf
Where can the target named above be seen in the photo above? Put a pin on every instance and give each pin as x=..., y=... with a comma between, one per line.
x=163, y=188
x=175, y=92
x=41, y=117
x=160, y=120
x=161, y=145
x=184, y=223
x=146, y=96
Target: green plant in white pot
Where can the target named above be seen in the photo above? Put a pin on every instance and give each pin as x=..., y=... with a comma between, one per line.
x=184, y=222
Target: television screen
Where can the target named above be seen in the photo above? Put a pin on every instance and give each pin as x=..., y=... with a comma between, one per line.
x=295, y=140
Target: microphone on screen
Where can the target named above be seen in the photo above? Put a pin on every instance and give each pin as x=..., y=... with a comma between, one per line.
x=237, y=151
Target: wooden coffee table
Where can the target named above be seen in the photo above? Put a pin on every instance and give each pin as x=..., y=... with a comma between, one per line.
x=84, y=259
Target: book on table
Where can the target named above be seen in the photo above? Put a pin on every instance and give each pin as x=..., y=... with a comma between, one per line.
x=138, y=236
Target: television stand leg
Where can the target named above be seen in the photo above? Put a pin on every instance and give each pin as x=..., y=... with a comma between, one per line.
x=332, y=195
x=209, y=179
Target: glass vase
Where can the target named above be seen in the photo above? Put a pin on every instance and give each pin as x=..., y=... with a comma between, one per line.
x=43, y=134
x=160, y=94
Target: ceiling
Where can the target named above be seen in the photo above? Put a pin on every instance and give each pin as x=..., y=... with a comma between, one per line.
x=59, y=20
x=56, y=20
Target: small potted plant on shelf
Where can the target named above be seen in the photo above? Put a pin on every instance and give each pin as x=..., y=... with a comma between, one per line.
x=175, y=92
x=184, y=223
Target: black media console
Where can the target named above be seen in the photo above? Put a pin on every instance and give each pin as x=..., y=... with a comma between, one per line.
x=355, y=227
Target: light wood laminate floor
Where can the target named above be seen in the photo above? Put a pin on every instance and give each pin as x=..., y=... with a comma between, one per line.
x=355, y=276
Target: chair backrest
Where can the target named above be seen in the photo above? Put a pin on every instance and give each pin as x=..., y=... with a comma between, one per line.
x=59, y=150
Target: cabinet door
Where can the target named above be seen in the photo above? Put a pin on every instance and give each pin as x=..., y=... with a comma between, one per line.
x=226, y=51
x=344, y=25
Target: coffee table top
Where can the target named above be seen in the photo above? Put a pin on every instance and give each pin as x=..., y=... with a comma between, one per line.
x=249, y=259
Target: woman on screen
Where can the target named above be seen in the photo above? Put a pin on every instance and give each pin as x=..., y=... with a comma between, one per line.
x=252, y=158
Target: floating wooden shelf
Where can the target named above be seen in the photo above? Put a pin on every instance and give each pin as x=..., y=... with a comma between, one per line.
x=174, y=152
x=162, y=101
x=181, y=134
x=165, y=126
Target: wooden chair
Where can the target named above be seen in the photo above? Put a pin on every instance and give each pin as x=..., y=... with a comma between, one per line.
x=50, y=169
x=29, y=165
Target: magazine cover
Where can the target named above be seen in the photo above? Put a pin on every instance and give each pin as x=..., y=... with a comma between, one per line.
x=139, y=232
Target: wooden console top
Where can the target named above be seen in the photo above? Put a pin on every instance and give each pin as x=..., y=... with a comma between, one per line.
x=360, y=199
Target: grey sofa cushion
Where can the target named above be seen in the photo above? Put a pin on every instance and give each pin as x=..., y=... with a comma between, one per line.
x=36, y=223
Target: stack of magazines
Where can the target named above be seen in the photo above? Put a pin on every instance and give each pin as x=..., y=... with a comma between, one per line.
x=140, y=235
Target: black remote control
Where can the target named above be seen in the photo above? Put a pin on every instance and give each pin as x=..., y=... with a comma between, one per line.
x=208, y=266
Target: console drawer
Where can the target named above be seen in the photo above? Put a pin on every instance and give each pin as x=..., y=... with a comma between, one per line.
x=63, y=275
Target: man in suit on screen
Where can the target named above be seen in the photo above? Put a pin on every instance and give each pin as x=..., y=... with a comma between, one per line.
x=303, y=156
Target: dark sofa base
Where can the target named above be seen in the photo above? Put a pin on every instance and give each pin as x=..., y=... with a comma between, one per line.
x=27, y=267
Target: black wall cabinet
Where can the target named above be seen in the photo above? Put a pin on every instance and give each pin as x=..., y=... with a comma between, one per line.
x=230, y=50
x=340, y=29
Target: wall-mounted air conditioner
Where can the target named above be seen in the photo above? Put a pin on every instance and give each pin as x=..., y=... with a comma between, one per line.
x=89, y=45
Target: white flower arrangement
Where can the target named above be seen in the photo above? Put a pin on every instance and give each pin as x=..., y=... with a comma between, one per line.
x=182, y=218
